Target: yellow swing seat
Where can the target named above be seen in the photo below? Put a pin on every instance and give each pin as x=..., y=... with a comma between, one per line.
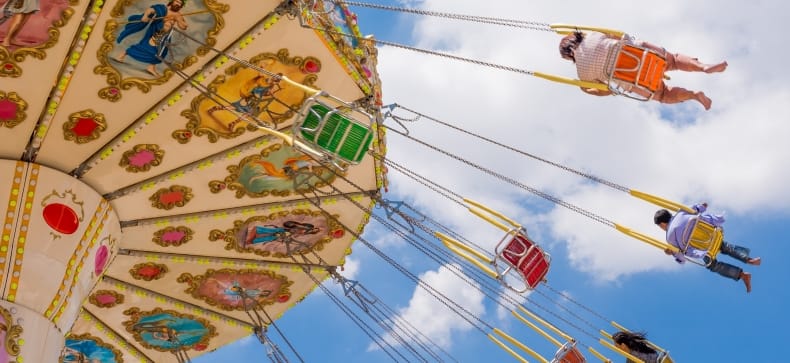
x=703, y=236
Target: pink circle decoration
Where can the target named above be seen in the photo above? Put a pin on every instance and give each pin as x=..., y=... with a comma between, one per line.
x=101, y=259
x=61, y=218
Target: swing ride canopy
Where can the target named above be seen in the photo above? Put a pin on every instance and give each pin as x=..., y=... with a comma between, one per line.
x=141, y=196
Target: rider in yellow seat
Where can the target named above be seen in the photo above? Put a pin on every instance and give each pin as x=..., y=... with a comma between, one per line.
x=678, y=235
x=592, y=54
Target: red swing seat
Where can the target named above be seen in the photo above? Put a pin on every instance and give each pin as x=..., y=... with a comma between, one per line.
x=525, y=256
x=568, y=353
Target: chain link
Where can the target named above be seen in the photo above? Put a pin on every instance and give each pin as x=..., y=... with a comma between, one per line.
x=512, y=181
x=524, y=24
x=557, y=165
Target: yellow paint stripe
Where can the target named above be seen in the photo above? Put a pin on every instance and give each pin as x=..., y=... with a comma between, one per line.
x=13, y=200
x=60, y=294
x=23, y=229
x=85, y=254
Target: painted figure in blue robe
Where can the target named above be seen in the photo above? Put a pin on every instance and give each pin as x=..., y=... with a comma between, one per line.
x=270, y=233
x=157, y=21
x=234, y=292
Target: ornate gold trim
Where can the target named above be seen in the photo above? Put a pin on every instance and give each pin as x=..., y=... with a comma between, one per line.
x=230, y=182
x=86, y=336
x=153, y=148
x=186, y=193
x=194, y=283
x=135, y=315
x=188, y=232
x=19, y=55
x=192, y=114
x=118, y=298
x=118, y=82
x=162, y=271
x=21, y=106
x=230, y=235
x=70, y=135
x=12, y=333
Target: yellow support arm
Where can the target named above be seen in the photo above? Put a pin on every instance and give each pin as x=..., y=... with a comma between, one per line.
x=308, y=90
x=661, y=202
x=488, y=219
x=545, y=323
x=571, y=81
x=620, y=351
x=649, y=240
x=468, y=253
x=536, y=328
x=492, y=212
x=599, y=355
x=566, y=29
x=520, y=345
x=507, y=349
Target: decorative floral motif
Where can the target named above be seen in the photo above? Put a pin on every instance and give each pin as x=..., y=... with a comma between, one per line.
x=168, y=330
x=55, y=17
x=250, y=95
x=277, y=170
x=142, y=157
x=173, y=236
x=230, y=289
x=84, y=126
x=148, y=271
x=106, y=298
x=12, y=109
x=88, y=348
x=124, y=73
x=174, y=196
x=281, y=234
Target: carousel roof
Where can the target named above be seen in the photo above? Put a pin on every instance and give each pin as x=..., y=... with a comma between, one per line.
x=142, y=171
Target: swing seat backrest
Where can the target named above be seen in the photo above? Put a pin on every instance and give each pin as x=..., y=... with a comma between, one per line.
x=639, y=67
x=526, y=257
x=568, y=353
x=704, y=236
x=334, y=132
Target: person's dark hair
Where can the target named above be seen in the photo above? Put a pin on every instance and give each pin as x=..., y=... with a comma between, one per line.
x=662, y=216
x=569, y=43
x=306, y=228
x=636, y=342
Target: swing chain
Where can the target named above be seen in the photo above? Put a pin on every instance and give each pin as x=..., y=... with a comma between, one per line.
x=473, y=18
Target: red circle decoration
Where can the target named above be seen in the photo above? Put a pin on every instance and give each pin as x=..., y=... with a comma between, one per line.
x=61, y=218
x=283, y=298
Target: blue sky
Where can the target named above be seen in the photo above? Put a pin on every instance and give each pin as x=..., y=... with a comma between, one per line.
x=735, y=157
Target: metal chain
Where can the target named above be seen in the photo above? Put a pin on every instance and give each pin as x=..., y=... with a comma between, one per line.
x=425, y=51
x=514, y=182
x=569, y=298
x=483, y=286
x=563, y=167
x=478, y=19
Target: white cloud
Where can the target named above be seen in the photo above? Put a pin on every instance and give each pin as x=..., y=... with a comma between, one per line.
x=731, y=156
x=433, y=318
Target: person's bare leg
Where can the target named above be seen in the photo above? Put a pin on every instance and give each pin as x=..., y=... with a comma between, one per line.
x=747, y=281
x=13, y=28
x=688, y=64
x=754, y=261
x=670, y=95
x=152, y=69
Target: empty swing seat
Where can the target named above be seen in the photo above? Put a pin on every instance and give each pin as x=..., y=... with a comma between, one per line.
x=334, y=132
x=526, y=257
x=568, y=353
